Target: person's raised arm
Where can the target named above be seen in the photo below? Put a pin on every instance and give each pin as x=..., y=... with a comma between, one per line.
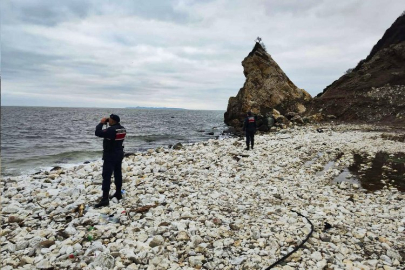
x=104, y=133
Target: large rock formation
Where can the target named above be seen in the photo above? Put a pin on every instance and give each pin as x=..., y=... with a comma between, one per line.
x=266, y=88
x=374, y=91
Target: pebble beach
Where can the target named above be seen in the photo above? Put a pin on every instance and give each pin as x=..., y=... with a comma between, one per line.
x=214, y=205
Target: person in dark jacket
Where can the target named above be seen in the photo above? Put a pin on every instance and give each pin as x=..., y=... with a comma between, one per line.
x=113, y=153
x=250, y=127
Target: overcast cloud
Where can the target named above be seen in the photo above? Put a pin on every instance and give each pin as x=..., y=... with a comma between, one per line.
x=176, y=53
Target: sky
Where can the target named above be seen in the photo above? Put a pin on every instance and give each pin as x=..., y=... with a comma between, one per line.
x=180, y=53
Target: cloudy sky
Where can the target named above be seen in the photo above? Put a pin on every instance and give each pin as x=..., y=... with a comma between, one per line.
x=180, y=53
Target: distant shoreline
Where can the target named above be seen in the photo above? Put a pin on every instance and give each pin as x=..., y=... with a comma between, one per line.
x=141, y=108
x=155, y=108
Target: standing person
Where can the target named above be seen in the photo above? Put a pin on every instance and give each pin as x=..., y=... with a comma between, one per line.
x=113, y=153
x=250, y=127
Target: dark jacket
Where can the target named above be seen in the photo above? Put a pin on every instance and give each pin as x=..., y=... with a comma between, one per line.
x=250, y=124
x=113, y=138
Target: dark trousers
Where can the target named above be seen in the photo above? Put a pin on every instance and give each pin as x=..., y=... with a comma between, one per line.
x=250, y=138
x=112, y=163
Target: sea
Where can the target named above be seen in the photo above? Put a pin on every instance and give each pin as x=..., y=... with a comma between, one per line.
x=39, y=138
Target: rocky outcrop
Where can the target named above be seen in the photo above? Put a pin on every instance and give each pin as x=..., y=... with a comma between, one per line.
x=374, y=91
x=266, y=88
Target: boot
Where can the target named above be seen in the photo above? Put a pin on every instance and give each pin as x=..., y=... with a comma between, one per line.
x=117, y=195
x=104, y=201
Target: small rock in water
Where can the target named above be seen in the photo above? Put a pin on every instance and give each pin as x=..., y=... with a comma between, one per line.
x=178, y=146
x=56, y=168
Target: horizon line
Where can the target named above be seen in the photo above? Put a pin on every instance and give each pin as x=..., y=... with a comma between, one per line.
x=136, y=107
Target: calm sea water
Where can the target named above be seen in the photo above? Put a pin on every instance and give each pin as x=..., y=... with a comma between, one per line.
x=35, y=138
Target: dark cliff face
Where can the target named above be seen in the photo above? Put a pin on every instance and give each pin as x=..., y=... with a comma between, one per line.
x=394, y=35
x=375, y=90
x=266, y=88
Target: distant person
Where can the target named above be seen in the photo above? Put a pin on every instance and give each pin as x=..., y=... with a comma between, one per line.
x=250, y=127
x=113, y=153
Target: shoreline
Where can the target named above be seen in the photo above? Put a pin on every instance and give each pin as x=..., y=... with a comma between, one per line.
x=66, y=166
x=66, y=143
x=213, y=205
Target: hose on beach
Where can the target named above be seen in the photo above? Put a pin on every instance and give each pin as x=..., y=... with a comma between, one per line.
x=297, y=247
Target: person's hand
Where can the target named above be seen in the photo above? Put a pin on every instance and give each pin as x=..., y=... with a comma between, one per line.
x=103, y=120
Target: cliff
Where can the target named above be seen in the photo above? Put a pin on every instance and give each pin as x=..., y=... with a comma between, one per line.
x=266, y=88
x=374, y=91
